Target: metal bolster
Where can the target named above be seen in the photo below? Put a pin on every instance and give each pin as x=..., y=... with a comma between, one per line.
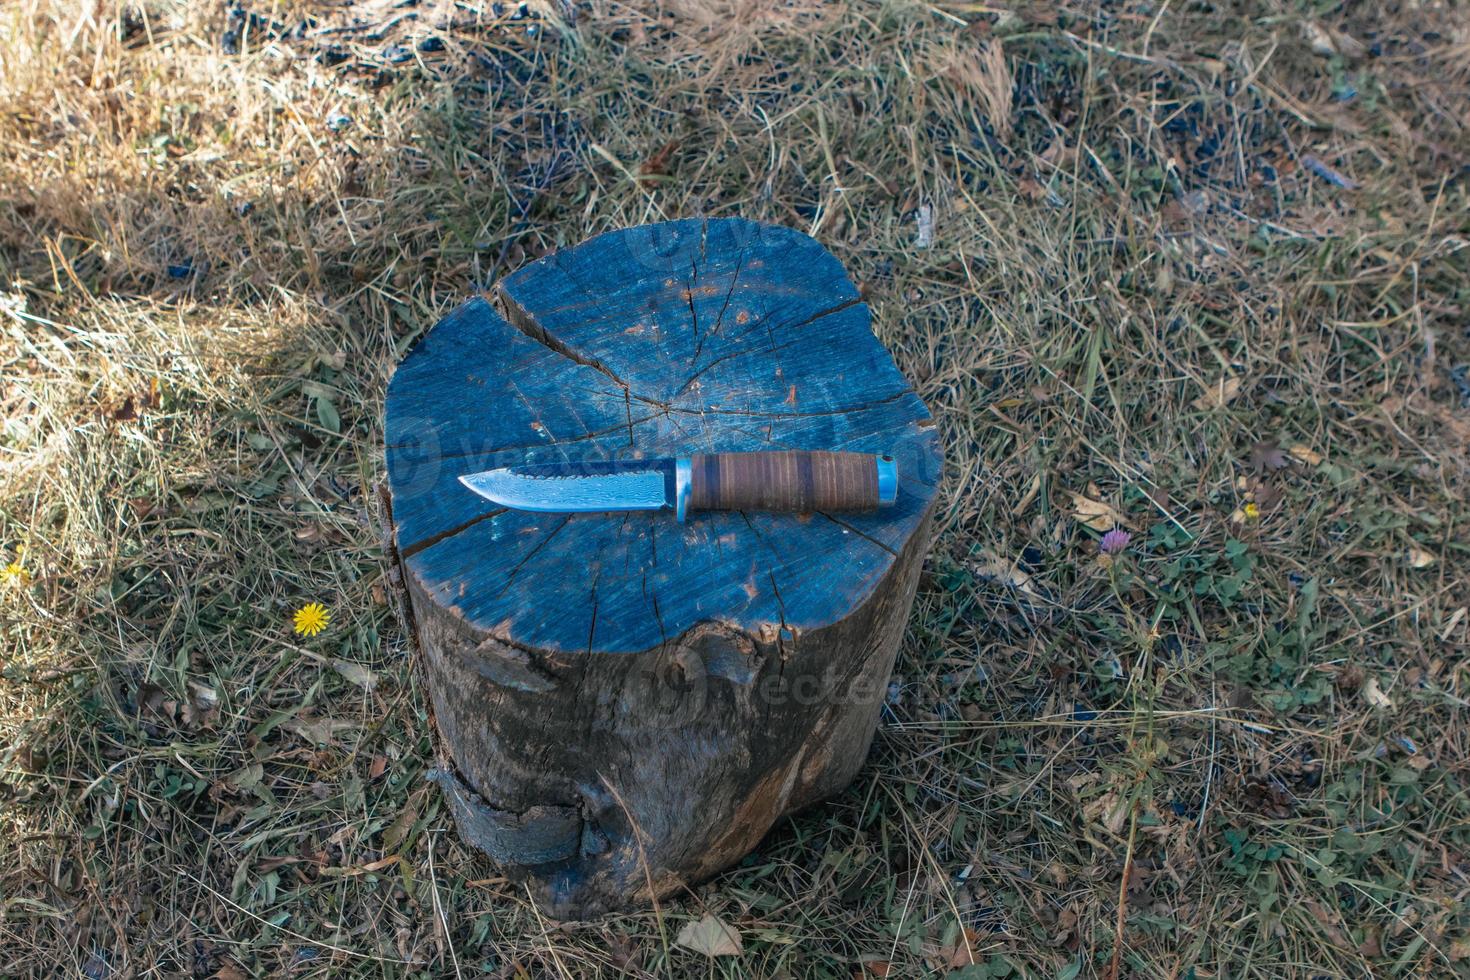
x=887, y=481
x=682, y=471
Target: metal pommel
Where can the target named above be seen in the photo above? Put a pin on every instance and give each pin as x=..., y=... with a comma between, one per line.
x=887, y=481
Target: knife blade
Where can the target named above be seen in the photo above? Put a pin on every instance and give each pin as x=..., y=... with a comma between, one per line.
x=793, y=481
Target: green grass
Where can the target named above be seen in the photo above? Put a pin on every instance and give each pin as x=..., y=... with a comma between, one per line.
x=1248, y=732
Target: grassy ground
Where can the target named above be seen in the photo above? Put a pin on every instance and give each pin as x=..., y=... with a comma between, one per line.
x=1197, y=269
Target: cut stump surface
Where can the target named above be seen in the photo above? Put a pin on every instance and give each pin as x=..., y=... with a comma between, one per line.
x=629, y=702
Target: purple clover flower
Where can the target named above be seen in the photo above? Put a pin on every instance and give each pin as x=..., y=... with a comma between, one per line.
x=1115, y=541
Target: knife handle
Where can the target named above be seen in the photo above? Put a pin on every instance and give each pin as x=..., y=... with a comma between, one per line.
x=786, y=480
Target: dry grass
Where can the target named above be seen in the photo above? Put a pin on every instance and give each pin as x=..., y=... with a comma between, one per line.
x=1187, y=261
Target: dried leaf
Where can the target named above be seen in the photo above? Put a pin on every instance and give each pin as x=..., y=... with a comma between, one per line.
x=1374, y=695
x=1138, y=879
x=126, y=412
x=1419, y=558
x=710, y=936
x=1161, y=497
x=1454, y=621
x=1306, y=455
x=247, y=778
x=622, y=953
x=343, y=834
x=1110, y=810
x=1096, y=514
x=1268, y=456
x=273, y=861
x=363, y=869
x=1057, y=154
x=1265, y=495
x=1030, y=188
x=992, y=568
x=318, y=730
x=1330, y=923
x=205, y=697
x=1032, y=489
x=395, y=832
x=151, y=699
x=1328, y=41
x=382, y=863
x=962, y=952
x=657, y=164
x=356, y=674
x=1220, y=394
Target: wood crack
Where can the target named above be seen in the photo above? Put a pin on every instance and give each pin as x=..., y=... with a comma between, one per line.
x=693, y=313
x=771, y=348
x=846, y=410
x=522, y=319
x=806, y=321
x=652, y=598
x=866, y=537
x=777, y=561
x=510, y=577
x=433, y=539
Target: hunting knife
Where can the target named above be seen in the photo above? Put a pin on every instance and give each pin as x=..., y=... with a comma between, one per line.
x=792, y=481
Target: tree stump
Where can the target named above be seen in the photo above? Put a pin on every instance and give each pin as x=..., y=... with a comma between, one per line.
x=629, y=703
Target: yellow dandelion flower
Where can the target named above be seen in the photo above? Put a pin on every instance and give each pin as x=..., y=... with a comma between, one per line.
x=311, y=619
x=1252, y=511
x=15, y=573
